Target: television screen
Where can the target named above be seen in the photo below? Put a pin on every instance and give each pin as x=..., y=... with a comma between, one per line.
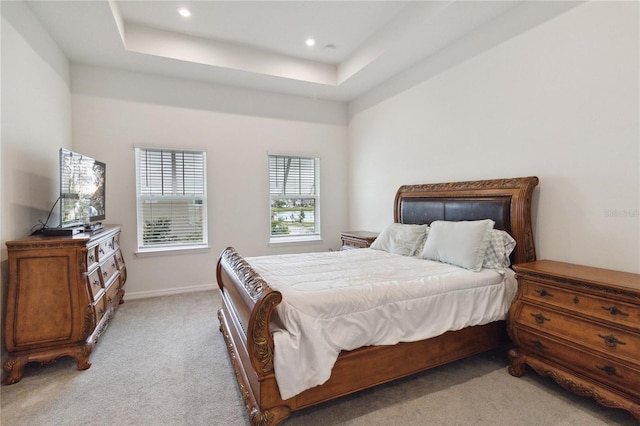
x=82, y=189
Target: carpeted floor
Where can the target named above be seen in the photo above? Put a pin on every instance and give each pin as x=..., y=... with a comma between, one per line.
x=162, y=361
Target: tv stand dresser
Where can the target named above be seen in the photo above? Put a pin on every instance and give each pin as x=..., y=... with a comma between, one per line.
x=62, y=293
x=580, y=326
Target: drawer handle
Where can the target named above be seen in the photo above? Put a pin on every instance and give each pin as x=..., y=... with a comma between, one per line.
x=537, y=344
x=101, y=250
x=109, y=299
x=96, y=282
x=105, y=273
x=544, y=293
x=611, y=341
x=540, y=319
x=91, y=258
x=101, y=311
x=613, y=310
x=610, y=370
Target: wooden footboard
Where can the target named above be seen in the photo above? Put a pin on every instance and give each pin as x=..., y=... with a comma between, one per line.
x=247, y=305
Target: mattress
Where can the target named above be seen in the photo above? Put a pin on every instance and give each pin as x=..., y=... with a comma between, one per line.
x=335, y=301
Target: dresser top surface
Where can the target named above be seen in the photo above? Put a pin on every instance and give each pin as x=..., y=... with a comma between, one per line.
x=69, y=240
x=586, y=274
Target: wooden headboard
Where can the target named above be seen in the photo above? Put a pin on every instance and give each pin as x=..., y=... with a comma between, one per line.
x=505, y=201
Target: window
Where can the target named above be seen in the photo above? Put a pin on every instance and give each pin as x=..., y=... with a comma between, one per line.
x=172, y=199
x=294, y=197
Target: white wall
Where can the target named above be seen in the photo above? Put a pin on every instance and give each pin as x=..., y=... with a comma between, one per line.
x=559, y=101
x=115, y=110
x=36, y=122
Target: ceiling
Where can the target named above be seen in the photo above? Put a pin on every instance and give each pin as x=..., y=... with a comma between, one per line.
x=261, y=44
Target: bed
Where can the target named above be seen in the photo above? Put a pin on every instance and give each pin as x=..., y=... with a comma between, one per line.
x=247, y=319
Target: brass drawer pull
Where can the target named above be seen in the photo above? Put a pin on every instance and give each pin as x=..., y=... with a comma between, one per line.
x=611, y=341
x=537, y=344
x=540, y=319
x=610, y=370
x=613, y=310
x=543, y=293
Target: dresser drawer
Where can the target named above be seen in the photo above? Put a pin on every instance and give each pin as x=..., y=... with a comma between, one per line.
x=585, y=304
x=92, y=257
x=105, y=248
x=112, y=294
x=116, y=242
x=107, y=270
x=592, y=365
x=609, y=340
x=100, y=308
x=119, y=259
x=94, y=283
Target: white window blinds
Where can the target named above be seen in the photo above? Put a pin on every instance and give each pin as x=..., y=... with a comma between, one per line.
x=294, y=196
x=172, y=198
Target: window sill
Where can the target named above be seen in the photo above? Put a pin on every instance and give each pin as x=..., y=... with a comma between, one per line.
x=299, y=240
x=166, y=251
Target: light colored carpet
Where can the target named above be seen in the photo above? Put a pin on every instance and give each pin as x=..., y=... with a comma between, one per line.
x=162, y=361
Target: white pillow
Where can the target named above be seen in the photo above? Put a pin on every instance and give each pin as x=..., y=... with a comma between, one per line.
x=500, y=247
x=401, y=239
x=461, y=243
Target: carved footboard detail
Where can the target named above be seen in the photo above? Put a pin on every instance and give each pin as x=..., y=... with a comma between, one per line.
x=264, y=299
x=248, y=303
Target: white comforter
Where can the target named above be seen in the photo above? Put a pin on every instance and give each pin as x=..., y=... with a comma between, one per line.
x=335, y=301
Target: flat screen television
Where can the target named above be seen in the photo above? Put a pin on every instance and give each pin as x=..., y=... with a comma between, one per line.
x=82, y=190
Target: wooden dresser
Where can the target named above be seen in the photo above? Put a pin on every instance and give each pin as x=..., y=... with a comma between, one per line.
x=62, y=294
x=580, y=326
x=357, y=239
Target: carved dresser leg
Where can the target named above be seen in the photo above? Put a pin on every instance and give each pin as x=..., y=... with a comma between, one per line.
x=14, y=366
x=82, y=355
x=516, y=366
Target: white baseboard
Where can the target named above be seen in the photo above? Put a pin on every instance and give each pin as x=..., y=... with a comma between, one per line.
x=167, y=292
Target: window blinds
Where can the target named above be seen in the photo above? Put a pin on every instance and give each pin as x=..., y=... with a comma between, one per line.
x=171, y=197
x=293, y=189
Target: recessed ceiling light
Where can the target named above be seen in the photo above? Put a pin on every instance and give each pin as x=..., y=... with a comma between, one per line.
x=310, y=42
x=183, y=11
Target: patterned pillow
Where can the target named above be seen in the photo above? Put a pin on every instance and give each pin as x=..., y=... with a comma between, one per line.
x=498, y=251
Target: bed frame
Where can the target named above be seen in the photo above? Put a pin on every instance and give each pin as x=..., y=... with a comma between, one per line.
x=248, y=302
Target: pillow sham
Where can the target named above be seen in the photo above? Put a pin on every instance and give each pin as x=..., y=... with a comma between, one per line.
x=499, y=249
x=401, y=239
x=461, y=243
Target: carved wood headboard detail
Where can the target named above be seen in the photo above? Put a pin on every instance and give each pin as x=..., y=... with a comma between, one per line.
x=506, y=201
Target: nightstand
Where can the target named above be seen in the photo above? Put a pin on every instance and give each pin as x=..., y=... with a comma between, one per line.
x=580, y=326
x=357, y=239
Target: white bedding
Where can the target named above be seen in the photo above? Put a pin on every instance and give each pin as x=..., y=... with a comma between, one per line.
x=335, y=301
